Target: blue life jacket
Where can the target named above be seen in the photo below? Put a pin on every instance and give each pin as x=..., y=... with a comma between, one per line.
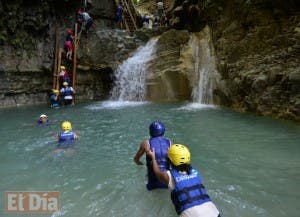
x=40, y=123
x=69, y=38
x=67, y=91
x=161, y=146
x=54, y=103
x=189, y=190
x=119, y=10
x=66, y=139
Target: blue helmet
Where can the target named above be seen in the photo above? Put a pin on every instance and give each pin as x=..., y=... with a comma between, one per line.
x=156, y=129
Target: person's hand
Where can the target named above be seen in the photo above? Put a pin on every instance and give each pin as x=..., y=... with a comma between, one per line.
x=138, y=162
x=151, y=154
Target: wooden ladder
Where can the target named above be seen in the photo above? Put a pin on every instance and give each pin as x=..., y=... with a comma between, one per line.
x=58, y=59
x=129, y=16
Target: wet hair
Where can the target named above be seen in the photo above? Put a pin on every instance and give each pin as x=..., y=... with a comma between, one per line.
x=183, y=167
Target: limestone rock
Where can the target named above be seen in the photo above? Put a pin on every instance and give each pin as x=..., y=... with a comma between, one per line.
x=257, y=46
x=166, y=80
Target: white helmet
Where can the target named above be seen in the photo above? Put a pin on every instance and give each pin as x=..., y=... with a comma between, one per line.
x=43, y=116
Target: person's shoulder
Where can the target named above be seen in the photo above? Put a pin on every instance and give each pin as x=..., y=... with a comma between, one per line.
x=168, y=140
x=171, y=184
x=145, y=143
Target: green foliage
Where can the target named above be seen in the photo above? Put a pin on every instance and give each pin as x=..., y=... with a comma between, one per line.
x=136, y=1
x=18, y=53
x=3, y=38
x=17, y=42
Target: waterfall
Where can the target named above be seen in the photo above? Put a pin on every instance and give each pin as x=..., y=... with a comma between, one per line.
x=130, y=83
x=204, y=67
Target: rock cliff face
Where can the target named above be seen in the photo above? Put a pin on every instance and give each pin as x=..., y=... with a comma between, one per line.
x=257, y=44
x=105, y=48
x=166, y=79
x=183, y=67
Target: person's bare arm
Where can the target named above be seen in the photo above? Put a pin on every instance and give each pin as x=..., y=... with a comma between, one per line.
x=162, y=176
x=75, y=136
x=143, y=148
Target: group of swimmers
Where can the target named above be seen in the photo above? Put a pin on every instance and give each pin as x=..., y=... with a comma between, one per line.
x=168, y=166
x=65, y=137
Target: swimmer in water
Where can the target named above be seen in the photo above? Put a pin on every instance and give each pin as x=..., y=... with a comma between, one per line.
x=185, y=183
x=159, y=143
x=43, y=121
x=66, y=137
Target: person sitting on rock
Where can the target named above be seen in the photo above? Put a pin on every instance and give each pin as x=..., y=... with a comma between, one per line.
x=67, y=93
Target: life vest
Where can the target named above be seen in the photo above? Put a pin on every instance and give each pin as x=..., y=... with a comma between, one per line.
x=86, y=16
x=67, y=91
x=65, y=139
x=69, y=38
x=160, y=146
x=119, y=10
x=189, y=190
x=54, y=102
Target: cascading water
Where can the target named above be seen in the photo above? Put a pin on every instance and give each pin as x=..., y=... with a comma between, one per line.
x=130, y=83
x=204, y=67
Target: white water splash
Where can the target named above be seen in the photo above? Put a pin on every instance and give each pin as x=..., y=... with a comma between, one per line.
x=196, y=106
x=204, y=67
x=130, y=83
x=115, y=105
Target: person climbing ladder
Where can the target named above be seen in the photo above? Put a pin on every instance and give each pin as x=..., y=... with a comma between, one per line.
x=85, y=19
x=68, y=45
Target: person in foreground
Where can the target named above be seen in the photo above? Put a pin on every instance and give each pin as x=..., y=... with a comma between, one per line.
x=161, y=145
x=187, y=191
x=67, y=136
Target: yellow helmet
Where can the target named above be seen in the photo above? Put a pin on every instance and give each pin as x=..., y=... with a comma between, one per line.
x=179, y=154
x=62, y=67
x=66, y=126
x=65, y=83
x=55, y=91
